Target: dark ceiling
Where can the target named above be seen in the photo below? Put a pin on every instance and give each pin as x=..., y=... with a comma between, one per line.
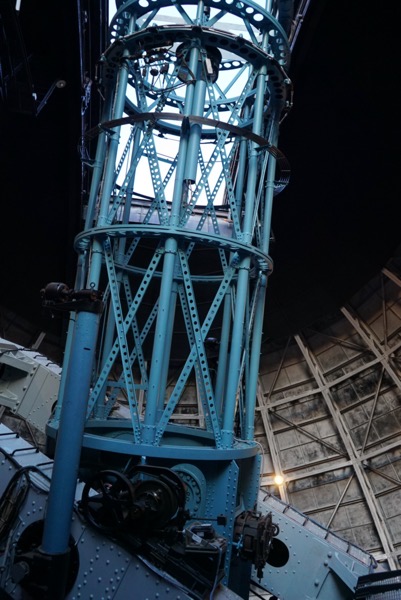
x=335, y=225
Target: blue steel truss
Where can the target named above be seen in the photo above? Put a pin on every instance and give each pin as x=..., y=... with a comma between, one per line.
x=177, y=239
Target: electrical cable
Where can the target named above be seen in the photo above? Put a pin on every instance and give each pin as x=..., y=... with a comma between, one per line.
x=255, y=593
x=15, y=494
x=12, y=499
x=216, y=579
x=163, y=574
x=13, y=350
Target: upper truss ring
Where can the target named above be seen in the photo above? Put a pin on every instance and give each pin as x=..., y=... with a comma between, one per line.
x=245, y=10
x=166, y=35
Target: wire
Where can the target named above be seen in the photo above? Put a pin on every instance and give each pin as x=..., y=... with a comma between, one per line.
x=161, y=573
x=216, y=579
x=255, y=593
x=15, y=494
x=262, y=454
x=12, y=499
x=13, y=350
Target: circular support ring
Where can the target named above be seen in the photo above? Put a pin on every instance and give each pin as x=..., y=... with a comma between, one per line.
x=149, y=231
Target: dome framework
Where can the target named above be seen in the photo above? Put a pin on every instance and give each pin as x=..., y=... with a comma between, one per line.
x=328, y=418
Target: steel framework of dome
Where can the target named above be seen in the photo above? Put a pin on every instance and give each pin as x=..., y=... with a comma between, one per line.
x=328, y=418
